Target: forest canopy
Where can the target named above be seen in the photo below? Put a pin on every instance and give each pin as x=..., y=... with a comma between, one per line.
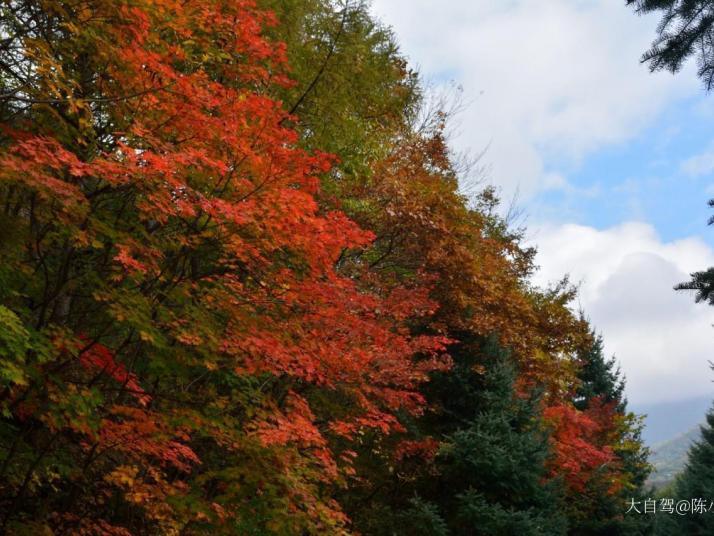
x=241, y=292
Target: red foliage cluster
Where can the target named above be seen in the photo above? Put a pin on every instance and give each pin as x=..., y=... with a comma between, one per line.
x=579, y=442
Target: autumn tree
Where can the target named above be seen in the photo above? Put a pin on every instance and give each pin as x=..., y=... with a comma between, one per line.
x=599, y=448
x=177, y=326
x=353, y=89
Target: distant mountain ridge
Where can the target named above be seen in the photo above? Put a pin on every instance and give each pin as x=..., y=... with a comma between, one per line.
x=667, y=421
x=670, y=429
x=669, y=457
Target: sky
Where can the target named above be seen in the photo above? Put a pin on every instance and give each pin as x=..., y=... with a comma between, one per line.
x=610, y=164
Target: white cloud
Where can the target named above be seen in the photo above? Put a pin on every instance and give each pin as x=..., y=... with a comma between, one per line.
x=700, y=164
x=662, y=339
x=547, y=81
x=555, y=181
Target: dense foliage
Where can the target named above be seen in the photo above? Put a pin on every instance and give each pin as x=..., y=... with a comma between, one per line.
x=241, y=293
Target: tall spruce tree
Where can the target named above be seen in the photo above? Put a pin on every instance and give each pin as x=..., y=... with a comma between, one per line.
x=493, y=469
x=601, y=509
x=489, y=475
x=599, y=377
x=686, y=29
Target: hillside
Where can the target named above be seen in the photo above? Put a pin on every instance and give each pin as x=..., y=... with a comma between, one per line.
x=669, y=457
x=665, y=421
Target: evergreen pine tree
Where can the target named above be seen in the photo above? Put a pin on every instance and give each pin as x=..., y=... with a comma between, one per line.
x=489, y=476
x=702, y=283
x=602, y=381
x=599, y=377
x=686, y=29
x=601, y=511
x=494, y=467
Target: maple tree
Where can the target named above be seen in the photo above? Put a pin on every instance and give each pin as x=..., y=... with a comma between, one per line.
x=174, y=267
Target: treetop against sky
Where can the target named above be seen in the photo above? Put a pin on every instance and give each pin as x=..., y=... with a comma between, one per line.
x=611, y=165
